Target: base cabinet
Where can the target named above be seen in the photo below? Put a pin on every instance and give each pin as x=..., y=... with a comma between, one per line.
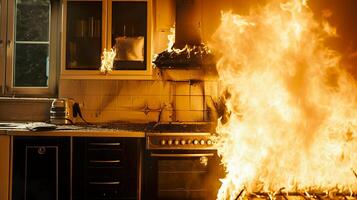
x=75, y=168
x=41, y=168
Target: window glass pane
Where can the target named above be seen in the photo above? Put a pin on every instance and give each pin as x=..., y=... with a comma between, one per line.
x=31, y=52
x=129, y=35
x=32, y=20
x=32, y=65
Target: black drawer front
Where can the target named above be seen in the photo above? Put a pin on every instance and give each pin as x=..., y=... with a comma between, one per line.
x=99, y=172
x=103, y=192
x=105, y=143
x=105, y=158
x=115, y=189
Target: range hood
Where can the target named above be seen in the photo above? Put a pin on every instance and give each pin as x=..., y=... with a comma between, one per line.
x=188, y=50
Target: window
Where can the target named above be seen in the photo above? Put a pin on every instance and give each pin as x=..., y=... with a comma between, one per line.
x=31, y=47
x=2, y=43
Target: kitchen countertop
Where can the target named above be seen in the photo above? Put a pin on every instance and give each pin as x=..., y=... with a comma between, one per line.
x=116, y=130
x=101, y=130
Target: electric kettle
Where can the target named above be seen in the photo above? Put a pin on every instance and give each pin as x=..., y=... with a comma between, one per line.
x=64, y=111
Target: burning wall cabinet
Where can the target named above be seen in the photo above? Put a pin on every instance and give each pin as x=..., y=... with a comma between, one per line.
x=90, y=27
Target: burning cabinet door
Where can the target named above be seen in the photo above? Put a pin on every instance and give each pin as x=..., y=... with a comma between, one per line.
x=40, y=168
x=91, y=27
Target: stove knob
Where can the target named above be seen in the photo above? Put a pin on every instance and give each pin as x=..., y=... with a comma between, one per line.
x=177, y=142
x=209, y=142
x=202, y=142
x=195, y=142
x=183, y=142
x=163, y=142
x=169, y=142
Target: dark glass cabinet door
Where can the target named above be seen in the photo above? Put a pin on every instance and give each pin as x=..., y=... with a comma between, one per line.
x=129, y=27
x=83, y=35
x=41, y=168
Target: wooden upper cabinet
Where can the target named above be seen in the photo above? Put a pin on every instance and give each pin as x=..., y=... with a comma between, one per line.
x=90, y=26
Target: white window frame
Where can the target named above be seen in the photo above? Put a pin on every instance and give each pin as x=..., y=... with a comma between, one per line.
x=7, y=53
x=3, y=10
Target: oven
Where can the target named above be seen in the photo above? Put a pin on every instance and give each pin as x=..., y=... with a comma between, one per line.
x=181, y=166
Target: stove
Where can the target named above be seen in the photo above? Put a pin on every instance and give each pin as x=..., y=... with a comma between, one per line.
x=181, y=162
x=181, y=136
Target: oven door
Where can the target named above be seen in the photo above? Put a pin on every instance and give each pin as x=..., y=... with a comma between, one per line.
x=182, y=175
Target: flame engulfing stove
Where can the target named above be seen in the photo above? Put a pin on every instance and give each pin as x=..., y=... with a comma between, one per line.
x=292, y=106
x=187, y=49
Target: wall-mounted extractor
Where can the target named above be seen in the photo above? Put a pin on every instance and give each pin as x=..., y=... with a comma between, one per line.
x=188, y=51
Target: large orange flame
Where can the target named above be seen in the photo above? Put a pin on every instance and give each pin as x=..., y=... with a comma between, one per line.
x=292, y=109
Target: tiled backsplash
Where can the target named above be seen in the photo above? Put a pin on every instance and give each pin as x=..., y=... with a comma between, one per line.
x=142, y=101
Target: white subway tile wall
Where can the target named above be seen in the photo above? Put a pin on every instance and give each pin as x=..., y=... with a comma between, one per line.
x=141, y=101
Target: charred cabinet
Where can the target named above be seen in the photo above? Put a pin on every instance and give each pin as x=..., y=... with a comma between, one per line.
x=94, y=25
x=41, y=168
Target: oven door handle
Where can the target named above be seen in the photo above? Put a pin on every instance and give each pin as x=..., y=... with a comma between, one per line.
x=181, y=155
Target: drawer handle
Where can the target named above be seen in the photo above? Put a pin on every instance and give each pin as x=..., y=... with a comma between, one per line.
x=105, y=144
x=104, y=183
x=104, y=161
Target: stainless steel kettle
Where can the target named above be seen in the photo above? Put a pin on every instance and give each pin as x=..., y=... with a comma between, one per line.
x=63, y=111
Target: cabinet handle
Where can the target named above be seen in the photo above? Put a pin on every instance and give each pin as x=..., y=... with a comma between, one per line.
x=104, y=183
x=41, y=150
x=105, y=144
x=104, y=161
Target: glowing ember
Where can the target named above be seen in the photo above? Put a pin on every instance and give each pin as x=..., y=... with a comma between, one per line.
x=107, y=61
x=292, y=119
